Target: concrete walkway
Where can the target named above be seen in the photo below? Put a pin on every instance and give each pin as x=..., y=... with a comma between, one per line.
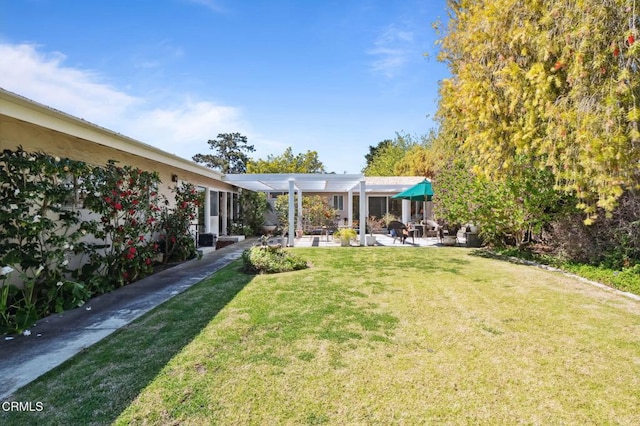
x=57, y=338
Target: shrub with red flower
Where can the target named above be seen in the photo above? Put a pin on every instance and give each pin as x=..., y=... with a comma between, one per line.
x=129, y=214
x=176, y=225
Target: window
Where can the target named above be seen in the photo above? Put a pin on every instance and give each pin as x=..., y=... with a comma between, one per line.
x=377, y=206
x=213, y=203
x=338, y=202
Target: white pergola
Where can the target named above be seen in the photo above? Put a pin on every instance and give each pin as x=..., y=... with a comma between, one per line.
x=319, y=183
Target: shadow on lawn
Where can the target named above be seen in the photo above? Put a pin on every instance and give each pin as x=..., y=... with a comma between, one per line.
x=99, y=383
x=487, y=254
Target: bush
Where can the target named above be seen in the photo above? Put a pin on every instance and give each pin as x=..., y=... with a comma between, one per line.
x=46, y=262
x=270, y=260
x=177, y=243
x=613, y=241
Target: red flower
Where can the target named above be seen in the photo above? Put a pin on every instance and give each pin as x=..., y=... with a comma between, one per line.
x=184, y=204
x=130, y=256
x=135, y=202
x=141, y=237
x=147, y=261
x=173, y=239
x=108, y=200
x=156, y=246
x=125, y=275
x=117, y=206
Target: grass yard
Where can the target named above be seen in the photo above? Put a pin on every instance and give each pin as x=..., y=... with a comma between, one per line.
x=367, y=336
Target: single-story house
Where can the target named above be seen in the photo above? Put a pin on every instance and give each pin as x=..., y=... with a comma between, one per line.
x=37, y=127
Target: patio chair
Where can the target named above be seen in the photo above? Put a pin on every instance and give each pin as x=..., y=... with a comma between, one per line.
x=431, y=228
x=397, y=230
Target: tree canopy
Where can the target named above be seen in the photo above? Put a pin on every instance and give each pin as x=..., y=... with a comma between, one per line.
x=232, y=149
x=287, y=162
x=386, y=158
x=546, y=84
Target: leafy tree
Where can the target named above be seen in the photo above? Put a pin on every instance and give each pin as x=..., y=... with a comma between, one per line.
x=288, y=163
x=389, y=155
x=253, y=206
x=232, y=149
x=552, y=82
x=505, y=210
x=373, y=150
x=420, y=159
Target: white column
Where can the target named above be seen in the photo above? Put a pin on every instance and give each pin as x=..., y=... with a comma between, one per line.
x=350, y=208
x=406, y=211
x=207, y=210
x=299, y=210
x=428, y=210
x=224, y=212
x=363, y=214
x=292, y=223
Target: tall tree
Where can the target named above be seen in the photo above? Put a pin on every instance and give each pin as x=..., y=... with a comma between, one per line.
x=422, y=158
x=373, y=150
x=388, y=155
x=553, y=82
x=232, y=149
x=287, y=162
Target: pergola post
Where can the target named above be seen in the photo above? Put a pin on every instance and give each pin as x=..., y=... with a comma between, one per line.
x=292, y=223
x=299, y=210
x=363, y=214
x=350, y=208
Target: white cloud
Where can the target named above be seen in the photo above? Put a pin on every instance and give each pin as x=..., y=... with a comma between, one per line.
x=181, y=128
x=393, y=49
x=184, y=129
x=43, y=78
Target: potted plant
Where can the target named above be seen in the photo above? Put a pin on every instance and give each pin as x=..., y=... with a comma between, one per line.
x=451, y=239
x=373, y=224
x=345, y=235
x=387, y=218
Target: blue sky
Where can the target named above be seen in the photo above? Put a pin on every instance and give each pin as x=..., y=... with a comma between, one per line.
x=324, y=75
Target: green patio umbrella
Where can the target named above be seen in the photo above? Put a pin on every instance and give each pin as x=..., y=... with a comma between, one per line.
x=419, y=192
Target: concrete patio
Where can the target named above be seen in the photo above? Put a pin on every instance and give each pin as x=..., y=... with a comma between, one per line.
x=385, y=240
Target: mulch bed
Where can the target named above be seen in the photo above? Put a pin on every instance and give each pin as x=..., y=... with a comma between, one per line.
x=220, y=244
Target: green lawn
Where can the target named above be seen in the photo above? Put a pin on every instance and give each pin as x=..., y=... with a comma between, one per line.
x=366, y=336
